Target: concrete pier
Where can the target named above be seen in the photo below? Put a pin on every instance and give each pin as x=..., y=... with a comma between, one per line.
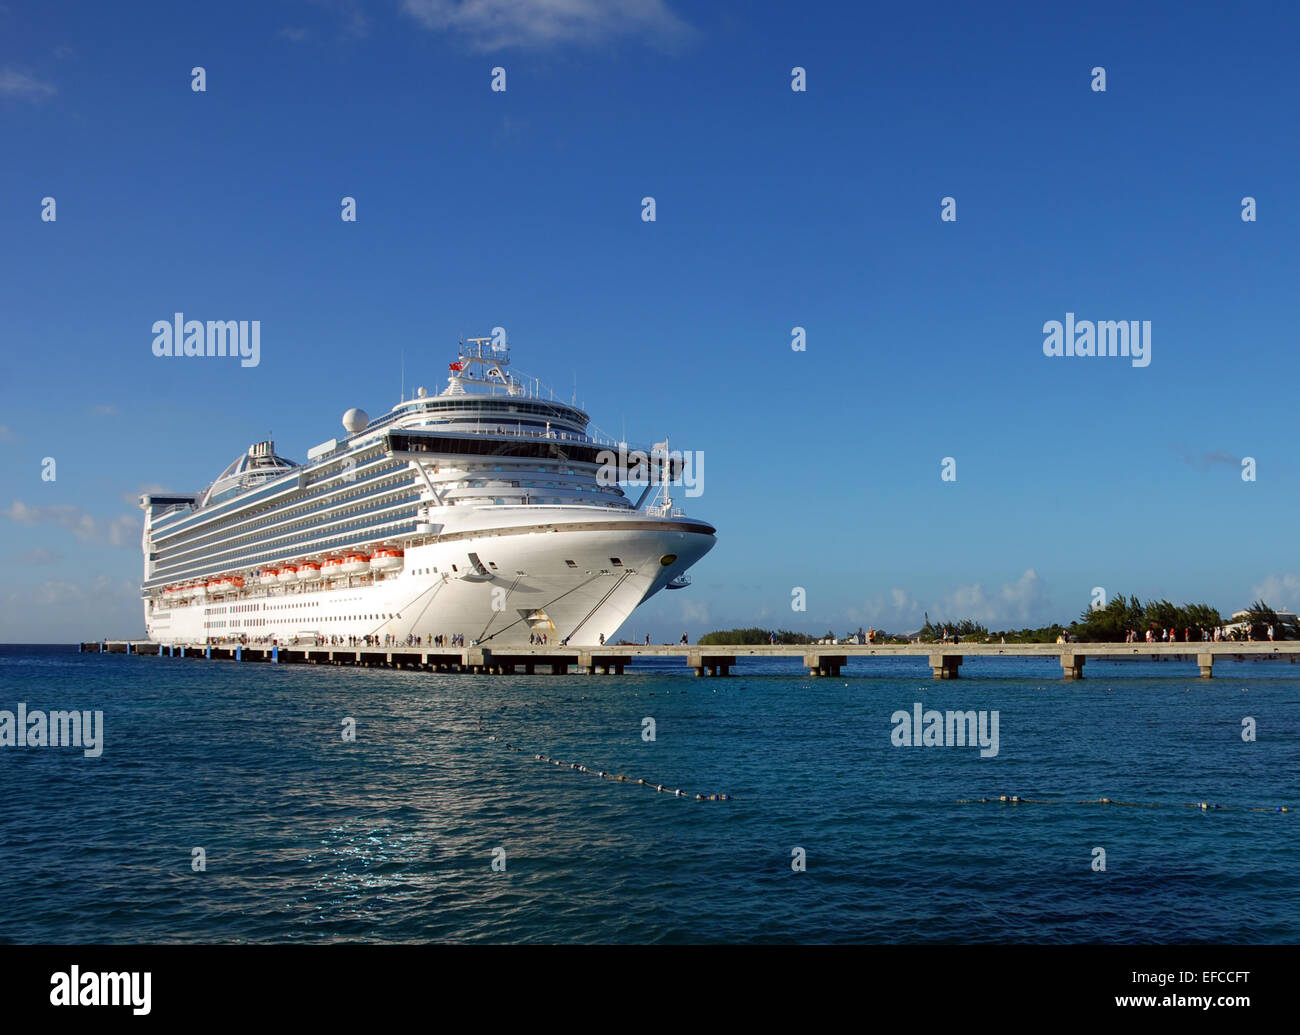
x=1072, y=666
x=706, y=664
x=713, y=661
x=945, y=666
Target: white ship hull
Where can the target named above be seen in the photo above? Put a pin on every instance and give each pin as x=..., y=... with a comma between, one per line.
x=579, y=602
x=487, y=514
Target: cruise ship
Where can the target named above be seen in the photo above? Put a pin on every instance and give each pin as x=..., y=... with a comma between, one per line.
x=483, y=514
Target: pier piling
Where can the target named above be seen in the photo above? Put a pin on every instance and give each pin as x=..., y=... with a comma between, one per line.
x=945, y=666
x=817, y=660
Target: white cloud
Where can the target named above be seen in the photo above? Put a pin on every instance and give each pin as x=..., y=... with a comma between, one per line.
x=1019, y=603
x=118, y=531
x=501, y=24
x=124, y=531
x=23, y=86
x=896, y=608
x=62, y=610
x=353, y=23
x=1016, y=603
x=1205, y=460
x=132, y=499
x=695, y=612
x=1281, y=592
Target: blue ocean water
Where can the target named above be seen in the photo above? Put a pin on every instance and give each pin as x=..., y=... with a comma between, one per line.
x=391, y=838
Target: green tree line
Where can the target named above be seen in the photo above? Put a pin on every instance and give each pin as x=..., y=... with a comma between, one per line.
x=754, y=636
x=1112, y=623
x=1109, y=624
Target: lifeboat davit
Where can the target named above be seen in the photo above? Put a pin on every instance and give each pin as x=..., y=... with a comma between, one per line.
x=269, y=576
x=356, y=564
x=309, y=571
x=333, y=567
x=386, y=559
x=289, y=573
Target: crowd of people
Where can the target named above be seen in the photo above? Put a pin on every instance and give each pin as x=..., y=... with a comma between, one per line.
x=388, y=640
x=1216, y=635
x=540, y=639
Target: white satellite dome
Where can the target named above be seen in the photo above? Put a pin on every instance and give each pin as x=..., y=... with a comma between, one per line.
x=355, y=420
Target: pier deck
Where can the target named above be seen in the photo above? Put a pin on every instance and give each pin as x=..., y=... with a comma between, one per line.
x=716, y=660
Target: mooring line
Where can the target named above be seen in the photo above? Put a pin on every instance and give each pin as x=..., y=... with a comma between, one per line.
x=605, y=774
x=1203, y=806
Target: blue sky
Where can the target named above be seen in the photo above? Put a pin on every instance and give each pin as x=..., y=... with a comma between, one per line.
x=775, y=209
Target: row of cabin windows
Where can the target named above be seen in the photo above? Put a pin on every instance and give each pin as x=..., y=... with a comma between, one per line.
x=344, y=618
x=269, y=508
x=385, y=482
x=371, y=505
x=335, y=542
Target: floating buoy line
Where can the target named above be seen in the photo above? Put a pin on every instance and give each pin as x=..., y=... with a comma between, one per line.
x=604, y=774
x=1203, y=806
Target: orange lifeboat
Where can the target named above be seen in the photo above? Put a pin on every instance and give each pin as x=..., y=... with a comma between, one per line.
x=333, y=567
x=269, y=576
x=386, y=559
x=356, y=564
x=309, y=571
x=289, y=573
